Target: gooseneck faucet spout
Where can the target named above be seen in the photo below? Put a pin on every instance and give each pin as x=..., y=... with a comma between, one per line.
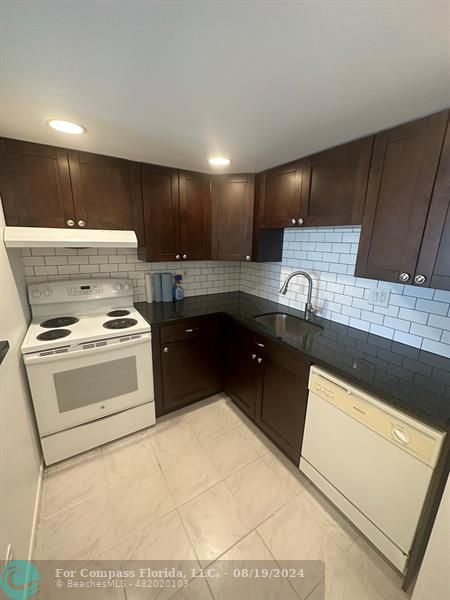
x=309, y=309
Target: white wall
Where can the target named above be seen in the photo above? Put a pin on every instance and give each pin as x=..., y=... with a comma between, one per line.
x=433, y=582
x=20, y=457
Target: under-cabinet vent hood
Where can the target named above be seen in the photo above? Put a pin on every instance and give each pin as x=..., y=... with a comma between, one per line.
x=52, y=237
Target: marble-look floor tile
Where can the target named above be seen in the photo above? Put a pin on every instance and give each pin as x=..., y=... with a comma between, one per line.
x=190, y=475
x=72, y=481
x=139, y=502
x=214, y=522
x=260, y=490
x=249, y=553
x=212, y=420
x=81, y=532
x=262, y=446
x=230, y=451
x=171, y=440
x=197, y=589
x=128, y=458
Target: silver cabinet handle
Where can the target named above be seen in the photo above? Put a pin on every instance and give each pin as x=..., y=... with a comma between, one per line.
x=247, y=258
x=404, y=277
x=419, y=279
x=185, y=256
x=178, y=257
x=260, y=360
x=253, y=356
x=260, y=345
x=81, y=223
x=70, y=222
x=191, y=330
x=300, y=221
x=166, y=349
x=293, y=221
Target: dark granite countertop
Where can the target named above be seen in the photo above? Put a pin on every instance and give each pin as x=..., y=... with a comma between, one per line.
x=4, y=347
x=412, y=380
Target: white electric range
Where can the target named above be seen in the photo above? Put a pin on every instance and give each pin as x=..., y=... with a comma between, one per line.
x=88, y=358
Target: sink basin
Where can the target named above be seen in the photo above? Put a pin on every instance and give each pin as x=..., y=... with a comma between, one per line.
x=287, y=325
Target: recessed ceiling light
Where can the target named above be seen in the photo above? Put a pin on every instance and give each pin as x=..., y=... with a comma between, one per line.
x=219, y=161
x=65, y=126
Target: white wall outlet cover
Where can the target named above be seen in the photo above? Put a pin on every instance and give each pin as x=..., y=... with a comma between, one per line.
x=379, y=296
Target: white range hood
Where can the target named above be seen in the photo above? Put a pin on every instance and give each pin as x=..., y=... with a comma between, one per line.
x=53, y=237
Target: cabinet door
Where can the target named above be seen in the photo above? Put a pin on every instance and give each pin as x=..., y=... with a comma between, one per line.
x=191, y=370
x=161, y=212
x=433, y=268
x=279, y=204
x=241, y=370
x=195, y=216
x=106, y=191
x=232, y=198
x=35, y=185
x=334, y=184
x=283, y=399
x=402, y=175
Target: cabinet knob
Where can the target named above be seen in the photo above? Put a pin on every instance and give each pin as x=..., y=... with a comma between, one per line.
x=293, y=221
x=70, y=222
x=300, y=221
x=81, y=223
x=404, y=277
x=260, y=360
x=178, y=257
x=248, y=258
x=185, y=256
x=253, y=356
x=419, y=279
x=166, y=349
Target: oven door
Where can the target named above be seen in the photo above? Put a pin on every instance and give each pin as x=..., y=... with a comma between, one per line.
x=82, y=383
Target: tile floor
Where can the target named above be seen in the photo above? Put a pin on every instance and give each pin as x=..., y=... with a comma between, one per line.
x=204, y=484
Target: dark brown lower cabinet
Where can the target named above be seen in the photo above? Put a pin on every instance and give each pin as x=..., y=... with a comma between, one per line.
x=270, y=384
x=190, y=365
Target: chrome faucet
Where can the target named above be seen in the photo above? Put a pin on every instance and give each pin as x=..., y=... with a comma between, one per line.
x=309, y=309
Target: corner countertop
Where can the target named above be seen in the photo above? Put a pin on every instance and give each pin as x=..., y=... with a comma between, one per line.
x=409, y=379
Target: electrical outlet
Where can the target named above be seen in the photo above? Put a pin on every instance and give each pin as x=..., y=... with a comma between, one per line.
x=379, y=297
x=9, y=554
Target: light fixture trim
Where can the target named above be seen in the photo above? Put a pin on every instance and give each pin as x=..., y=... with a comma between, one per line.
x=64, y=126
x=219, y=161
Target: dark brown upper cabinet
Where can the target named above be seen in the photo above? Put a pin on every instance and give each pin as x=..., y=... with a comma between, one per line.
x=35, y=185
x=106, y=191
x=401, y=182
x=176, y=214
x=334, y=184
x=279, y=200
x=232, y=198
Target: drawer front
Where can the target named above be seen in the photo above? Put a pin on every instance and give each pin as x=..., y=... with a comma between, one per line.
x=191, y=328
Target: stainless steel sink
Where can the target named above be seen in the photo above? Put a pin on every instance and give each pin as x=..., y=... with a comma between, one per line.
x=287, y=325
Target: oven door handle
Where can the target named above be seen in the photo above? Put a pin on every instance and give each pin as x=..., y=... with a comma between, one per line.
x=78, y=350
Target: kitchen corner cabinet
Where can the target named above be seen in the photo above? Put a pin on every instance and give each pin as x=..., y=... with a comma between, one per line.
x=35, y=184
x=403, y=228
x=176, y=214
x=232, y=200
x=188, y=361
x=270, y=384
x=327, y=188
x=44, y=186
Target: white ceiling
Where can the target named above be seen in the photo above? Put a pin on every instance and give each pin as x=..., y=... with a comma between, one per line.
x=262, y=82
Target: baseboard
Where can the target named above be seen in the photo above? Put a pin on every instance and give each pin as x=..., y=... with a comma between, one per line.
x=37, y=505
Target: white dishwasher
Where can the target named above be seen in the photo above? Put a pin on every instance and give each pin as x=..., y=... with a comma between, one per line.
x=373, y=462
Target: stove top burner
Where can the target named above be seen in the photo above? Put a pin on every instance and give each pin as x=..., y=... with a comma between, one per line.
x=53, y=334
x=118, y=313
x=119, y=323
x=59, y=322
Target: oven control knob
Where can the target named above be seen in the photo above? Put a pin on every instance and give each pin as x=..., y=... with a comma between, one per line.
x=48, y=292
x=127, y=286
x=118, y=286
x=36, y=293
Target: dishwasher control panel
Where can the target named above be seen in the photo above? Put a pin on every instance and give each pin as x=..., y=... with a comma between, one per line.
x=414, y=437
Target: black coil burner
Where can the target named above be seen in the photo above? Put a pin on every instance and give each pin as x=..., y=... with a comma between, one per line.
x=59, y=322
x=53, y=334
x=118, y=313
x=119, y=323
